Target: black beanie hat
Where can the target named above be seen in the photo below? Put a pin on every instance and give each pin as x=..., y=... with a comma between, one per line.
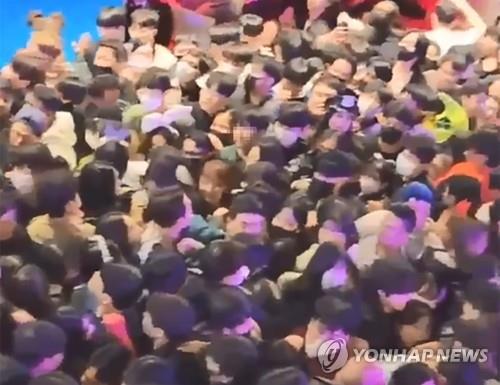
x=172, y=314
x=164, y=271
x=123, y=283
x=55, y=378
x=12, y=372
x=233, y=354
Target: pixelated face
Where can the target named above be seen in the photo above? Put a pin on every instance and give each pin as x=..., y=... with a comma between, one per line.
x=112, y=33
x=211, y=101
x=244, y=137
x=222, y=123
x=251, y=223
x=143, y=35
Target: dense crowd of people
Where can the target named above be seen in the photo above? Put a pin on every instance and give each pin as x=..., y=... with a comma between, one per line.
x=212, y=191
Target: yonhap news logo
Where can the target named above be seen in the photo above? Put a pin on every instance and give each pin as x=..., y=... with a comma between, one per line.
x=332, y=355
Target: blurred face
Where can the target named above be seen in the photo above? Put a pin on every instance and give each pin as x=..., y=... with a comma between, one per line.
x=476, y=158
x=112, y=33
x=331, y=232
x=21, y=178
x=20, y=133
x=111, y=97
x=319, y=95
x=151, y=99
x=477, y=243
x=287, y=136
x=341, y=121
x=393, y=234
x=144, y=35
x=211, y=101
x=244, y=137
x=134, y=231
x=222, y=123
x=341, y=69
x=448, y=75
x=250, y=223
x=209, y=184
x=73, y=208
x=8, y=222
x=105, y=57
x=494, y=90
x=416, y=333
x=422, y=211
x=398, y=302
x=262, y=84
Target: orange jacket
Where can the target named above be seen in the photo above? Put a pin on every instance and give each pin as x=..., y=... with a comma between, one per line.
x=470, y=169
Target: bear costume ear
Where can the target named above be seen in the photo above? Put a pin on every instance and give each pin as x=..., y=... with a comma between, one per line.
x=57, y=20
x=35, y=20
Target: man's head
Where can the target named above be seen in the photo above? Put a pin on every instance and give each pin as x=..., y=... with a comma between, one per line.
x=325, y=88
x=397, y=227
x=395, y=281
x=231, y=312
x=151, y=88
x=144, y=26
x=111, y=23
x=251, y=122
x=293, y=120
x=483, y=149
x=105, y=90
x=417, y=156
x=420, y=198
x=109, y=54
x=474, y=95
x=107, y=365
x=230, y=357
x=57, y=194
x=168, y=317
x=147, y=370
x=40, y=346
x=164, y=272
x=223, y=262
x=413, y=374
x=171, y=210
x=247, y=215
x=123, y=284
x=337, y=315
x=216, y=92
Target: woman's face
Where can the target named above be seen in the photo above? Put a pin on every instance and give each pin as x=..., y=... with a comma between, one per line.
x=263, y=85
x=134, y=231
x=209, y=185
x=341, y=121
x=393, y=234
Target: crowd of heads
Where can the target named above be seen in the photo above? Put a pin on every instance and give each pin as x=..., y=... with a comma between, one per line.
x=209, y=193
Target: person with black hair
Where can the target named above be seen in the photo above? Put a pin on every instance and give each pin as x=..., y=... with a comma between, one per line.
x=290, y=128
x=103, y=91
x=295, y=76
x=231, y=359
x=324, y=89
x=149, y=369
x=124, y=233
x=216, y=89
x=107, y=364
x=251, y=124
x=60, y=205
x=39, y=345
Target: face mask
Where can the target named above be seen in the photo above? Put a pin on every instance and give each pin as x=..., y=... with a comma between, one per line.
x=226, y=139
x=286, y=137
x=368, y=185
x=21, y=179
x=151, y=104
x=405, y=166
